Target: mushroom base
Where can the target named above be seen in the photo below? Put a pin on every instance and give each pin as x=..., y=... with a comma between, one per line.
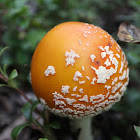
x=84, y=127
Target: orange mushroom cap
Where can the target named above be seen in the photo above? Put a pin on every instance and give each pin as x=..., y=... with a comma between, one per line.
x=78, y=70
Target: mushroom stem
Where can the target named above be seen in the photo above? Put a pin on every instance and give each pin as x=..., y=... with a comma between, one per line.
x=85, y=127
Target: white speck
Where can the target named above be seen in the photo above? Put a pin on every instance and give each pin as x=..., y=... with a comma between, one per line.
x=103, y=74
x=123, y=75
x=88, y=113
x=123, y=88
x=87, y=77
x=127, y=75
x=84, y=49
x=65, y=89
x=85, y=98
x=114, y=61
x=92, y=57
x=106, y=48
x=107, y=94
x=85, y=35
x=90, y=108
x=100, y=96
x=80, y=112
x=81, y=90
x=115, y=80
x=77, y=75
x=79, y=106
x=107, y=63
x=122, y=65
x=76, y=95
x=88, y=32
x=50, y=70
x=42, y=101
x=70, y=56
x=116, y=87
x=117, y=55
x=93, y=81
x=67, y=110
x=70, y=101
x=101, y=48
x=118, y=48
x=99, y=109
x=57, y=111
x=107, y=87
x=58, y=102
x=74, y=89
x=103, y=54
x=83, y=68
x=116, y=96
x=81, y=82
x=110, y=52
x=57, y=95
x=107, y=107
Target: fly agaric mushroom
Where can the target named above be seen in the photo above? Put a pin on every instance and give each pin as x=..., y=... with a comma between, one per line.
x=78, y=71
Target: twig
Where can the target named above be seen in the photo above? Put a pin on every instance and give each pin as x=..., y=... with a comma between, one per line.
x=23, y=94
x=3, y=78
x=38, y=128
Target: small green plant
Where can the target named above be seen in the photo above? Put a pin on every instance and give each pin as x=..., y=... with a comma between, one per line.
x=7, y=79
x=137, y=129
x=42, y=139
x=45, y=128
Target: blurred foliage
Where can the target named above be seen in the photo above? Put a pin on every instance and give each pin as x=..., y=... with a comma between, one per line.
x=42, y=139
x=23, y=24
x=8, y=79
x=34, y=122
x=17, y=130
x=137, y=129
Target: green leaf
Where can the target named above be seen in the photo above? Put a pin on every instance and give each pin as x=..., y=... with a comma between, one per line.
x=26, y=110
x=17, y=130
x=34, y=36
x=1, y=71
x=42, y=139
x=116, y=138
x=137, y=129
x=55, y=125
x=2, y=85
x=13, y=74
x=5, y=48
x=34, y=105
x=5, y=70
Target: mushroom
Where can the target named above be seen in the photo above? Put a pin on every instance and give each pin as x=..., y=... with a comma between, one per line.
x=78, y=71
